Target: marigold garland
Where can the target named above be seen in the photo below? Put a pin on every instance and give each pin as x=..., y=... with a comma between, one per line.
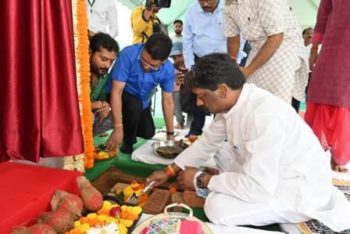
x=83, y=77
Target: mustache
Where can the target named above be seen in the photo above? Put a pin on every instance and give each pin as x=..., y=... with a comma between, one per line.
x=203, y=108
x=207, y=8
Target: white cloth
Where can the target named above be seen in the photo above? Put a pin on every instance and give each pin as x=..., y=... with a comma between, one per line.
x=273, y=159
x=145, y=154
x=285, y=73
x=103, y=16
x=308, y=51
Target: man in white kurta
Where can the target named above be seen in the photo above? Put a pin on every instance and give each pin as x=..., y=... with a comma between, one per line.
x=271, y=166
x=277, y=61
x=103, y=17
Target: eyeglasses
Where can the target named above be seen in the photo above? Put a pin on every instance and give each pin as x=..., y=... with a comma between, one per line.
x=150, y=66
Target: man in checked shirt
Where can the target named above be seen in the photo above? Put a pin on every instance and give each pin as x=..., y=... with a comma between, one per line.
x=277, y=61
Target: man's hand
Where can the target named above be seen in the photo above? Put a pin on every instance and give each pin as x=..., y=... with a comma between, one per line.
x=269, y=48
x=312, y=58
x=245, y=71
x=147, y=13
x=211, y=171
x=102, y=116
x=170, y=137
x=185, y=178
x=159, y=177
x=180, y=77
x=115, y=139
x=104, y=108
x=168, y=113
x=103, y=112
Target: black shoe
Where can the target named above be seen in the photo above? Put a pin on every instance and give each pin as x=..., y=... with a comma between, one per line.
x=126, y=149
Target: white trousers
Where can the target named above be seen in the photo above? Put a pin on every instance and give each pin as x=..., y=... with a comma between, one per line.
x=228, y=210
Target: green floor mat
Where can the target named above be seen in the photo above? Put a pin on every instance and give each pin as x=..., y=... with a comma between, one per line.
x=123, y=161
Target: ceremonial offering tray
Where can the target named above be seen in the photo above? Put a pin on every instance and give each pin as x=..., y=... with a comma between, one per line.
x=101, y=154
x=173, y=222
x=114, y=214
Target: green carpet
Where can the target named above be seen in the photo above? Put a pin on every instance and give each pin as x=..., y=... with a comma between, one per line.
x=123, y=161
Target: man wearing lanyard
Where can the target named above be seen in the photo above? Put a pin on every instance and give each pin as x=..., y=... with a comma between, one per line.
x=103, y=17
x=137, y=72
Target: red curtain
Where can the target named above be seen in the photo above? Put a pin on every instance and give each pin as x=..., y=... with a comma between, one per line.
x=39, y=113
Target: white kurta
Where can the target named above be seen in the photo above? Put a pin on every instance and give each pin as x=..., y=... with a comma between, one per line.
x=271, y=163
x=103, y=16
x=285, y=73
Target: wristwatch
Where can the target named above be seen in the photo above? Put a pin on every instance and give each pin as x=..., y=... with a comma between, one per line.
x=169, y=133
x=200, y=180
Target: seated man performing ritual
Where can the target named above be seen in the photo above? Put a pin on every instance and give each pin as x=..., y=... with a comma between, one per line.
x=103, y=51
x=136, y=74
x=271, y=167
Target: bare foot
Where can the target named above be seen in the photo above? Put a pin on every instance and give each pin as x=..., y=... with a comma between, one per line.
x=338, y=168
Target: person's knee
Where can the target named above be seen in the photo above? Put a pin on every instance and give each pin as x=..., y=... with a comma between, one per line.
x=211, y=208
x=132, y=106
x=148, y=133
x=132, y=110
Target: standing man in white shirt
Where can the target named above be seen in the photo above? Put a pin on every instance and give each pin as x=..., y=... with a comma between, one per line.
x=178, y=27
x=307, y=36
x=103, y=17
x=271, y=167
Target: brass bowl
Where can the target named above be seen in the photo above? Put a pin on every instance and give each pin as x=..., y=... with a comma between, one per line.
x=167, y=149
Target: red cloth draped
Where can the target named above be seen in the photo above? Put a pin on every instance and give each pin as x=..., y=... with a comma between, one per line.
x=26, y=194
x=331, y=124
x=38, y=96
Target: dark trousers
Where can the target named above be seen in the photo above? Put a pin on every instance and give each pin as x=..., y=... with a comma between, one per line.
x=198, y=120
x=198, y=114
x=295, y=104
x=308, y=82
x=137, y=122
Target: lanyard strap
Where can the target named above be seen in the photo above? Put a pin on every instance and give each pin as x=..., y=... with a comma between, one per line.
x=91, y=4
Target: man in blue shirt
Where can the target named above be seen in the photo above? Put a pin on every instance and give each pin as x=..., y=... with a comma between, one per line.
x=203, y=34
x=137, y=72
